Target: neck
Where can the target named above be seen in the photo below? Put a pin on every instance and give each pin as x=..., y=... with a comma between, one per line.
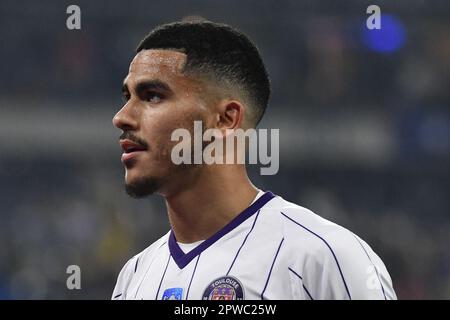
x=216, y=196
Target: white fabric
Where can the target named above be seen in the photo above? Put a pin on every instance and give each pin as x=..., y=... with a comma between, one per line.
x=282, y=251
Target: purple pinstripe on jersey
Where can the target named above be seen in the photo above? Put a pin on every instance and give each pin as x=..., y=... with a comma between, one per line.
x=270, y=272
x=162, y=278
x=376, y=271
x=235, y=257
x=329, y=247
x=304, y=288
x=192, y=277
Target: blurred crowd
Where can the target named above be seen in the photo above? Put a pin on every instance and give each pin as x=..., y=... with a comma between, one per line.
x=60, y=208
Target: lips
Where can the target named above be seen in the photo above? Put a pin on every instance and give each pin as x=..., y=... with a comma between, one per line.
x=129, y=146
x=130, y=150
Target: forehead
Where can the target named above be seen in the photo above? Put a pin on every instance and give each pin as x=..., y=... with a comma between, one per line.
x=157, y=62
x=166, y=66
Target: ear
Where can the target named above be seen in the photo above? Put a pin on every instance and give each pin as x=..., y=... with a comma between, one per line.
x=230, y=115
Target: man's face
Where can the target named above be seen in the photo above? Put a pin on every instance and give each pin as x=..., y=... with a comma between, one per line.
x=159, y=99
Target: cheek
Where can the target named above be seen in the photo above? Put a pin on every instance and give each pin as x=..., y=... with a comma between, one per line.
x=158, y=125
x=157, y=129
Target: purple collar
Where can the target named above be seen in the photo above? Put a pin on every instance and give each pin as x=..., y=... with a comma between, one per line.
x=182, y=259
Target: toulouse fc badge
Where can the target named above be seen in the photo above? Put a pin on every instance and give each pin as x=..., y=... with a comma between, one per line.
x=224, y=288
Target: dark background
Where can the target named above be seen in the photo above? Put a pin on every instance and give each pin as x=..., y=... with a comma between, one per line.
x=364, y=123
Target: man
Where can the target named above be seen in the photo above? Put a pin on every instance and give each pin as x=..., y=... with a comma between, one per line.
x=228, y=239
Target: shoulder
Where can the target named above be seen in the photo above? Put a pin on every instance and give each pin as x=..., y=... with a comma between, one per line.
x=299, y=223
x=306, y=234
x=330, y=257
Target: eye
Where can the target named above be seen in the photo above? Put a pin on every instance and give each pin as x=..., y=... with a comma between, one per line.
x=153, y=97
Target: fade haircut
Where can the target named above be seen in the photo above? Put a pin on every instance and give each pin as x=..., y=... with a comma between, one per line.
x=221, y=52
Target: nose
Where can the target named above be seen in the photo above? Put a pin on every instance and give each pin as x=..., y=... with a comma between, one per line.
x=124, y=118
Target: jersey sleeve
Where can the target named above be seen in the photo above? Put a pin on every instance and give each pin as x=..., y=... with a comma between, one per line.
x=123, y=280
x=344, y=267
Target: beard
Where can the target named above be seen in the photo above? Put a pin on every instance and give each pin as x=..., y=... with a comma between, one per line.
x=143, y=187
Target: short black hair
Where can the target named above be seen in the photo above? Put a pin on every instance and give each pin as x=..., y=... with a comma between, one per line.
x=218, y=50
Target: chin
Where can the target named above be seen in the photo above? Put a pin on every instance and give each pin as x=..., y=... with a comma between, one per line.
x=141, y=187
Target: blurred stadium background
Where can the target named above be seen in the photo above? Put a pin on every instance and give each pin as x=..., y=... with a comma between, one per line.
x=364, y=124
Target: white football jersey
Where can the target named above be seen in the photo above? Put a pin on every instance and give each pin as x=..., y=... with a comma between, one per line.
x=274, y=249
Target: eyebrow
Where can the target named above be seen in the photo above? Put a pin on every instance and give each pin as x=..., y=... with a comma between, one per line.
x=149, y=85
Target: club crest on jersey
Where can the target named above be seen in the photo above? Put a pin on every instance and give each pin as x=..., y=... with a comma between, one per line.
x=224, y=288
x=173, y=294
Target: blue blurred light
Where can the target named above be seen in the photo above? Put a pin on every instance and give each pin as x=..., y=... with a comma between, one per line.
x=390, y=38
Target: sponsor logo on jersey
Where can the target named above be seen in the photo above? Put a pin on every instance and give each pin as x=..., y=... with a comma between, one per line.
x=224, y=288
x=173, y=294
